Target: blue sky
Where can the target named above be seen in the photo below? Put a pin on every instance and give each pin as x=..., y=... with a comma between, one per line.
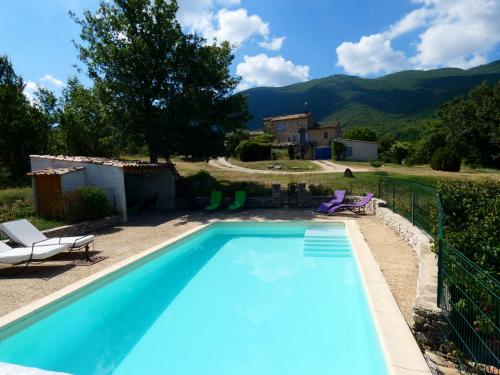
x=279, y=41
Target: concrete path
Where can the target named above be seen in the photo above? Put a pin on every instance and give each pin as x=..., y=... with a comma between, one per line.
x=325, y=165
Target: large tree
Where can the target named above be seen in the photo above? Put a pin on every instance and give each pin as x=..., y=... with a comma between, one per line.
x=86, y=123
x=175, y=88
x=471, y=126
x=24, y=127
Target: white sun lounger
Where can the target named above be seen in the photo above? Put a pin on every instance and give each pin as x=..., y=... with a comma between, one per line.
x=16, y=255
x=24, y=233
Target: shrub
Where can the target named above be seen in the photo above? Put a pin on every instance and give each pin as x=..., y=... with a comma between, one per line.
x=88, y=203
x=399, y=152
x=472, y=220
x=263, y=138
x=375, y=164
x=319, y=190
x=248, y=150
x=279, y=154
x=234, y=139
x=338, y=150
x=446, y=159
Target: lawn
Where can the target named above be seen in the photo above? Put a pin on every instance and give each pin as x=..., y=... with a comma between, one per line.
x=466, y=173
x=286, y=165
x=258, y=183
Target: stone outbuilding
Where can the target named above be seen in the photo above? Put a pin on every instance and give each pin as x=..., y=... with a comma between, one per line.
x=129, y=185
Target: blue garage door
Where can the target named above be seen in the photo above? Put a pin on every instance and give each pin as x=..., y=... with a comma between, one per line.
x=323, y=153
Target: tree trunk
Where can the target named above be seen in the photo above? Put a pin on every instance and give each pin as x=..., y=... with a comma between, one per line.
x=152, y=137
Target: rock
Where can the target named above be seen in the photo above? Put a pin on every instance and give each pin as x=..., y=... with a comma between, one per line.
x=419, y=320
x=348, y=173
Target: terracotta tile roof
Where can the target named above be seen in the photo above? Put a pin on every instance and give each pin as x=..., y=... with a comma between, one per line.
x=129, y=165
x=54, y=171
x=324, y=125
x=288, y=117
x=103, y=161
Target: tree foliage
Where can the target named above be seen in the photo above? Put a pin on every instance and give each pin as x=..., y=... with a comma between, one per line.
x=446, y=159
x=174, y=86
x=86, y=123
x=24, y=127
x=338, y=150
x=234, y=139
x=361, y=134
x=471, y=126
x=472, y=220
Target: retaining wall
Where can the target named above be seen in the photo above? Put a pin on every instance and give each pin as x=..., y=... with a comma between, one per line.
x=427, y=316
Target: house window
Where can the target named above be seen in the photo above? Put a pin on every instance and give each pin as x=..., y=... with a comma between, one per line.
x=289, y=138
x=348, y=151
x=280, y=127
x=325, y=135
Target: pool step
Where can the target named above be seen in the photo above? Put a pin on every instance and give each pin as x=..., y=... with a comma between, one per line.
x=326, y=243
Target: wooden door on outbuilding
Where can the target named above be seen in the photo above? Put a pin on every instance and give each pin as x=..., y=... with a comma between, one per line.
x=49, y=195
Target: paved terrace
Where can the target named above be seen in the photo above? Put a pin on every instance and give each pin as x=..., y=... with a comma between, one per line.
x=397, y=260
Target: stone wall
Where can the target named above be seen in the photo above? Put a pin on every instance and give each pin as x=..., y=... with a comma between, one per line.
x=287, y=130
x=273, y=201
x=427, y=316
x=316, y=136
x=84, y=227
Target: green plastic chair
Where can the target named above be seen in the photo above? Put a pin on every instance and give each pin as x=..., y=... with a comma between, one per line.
x=215, y=201
x=239, y=200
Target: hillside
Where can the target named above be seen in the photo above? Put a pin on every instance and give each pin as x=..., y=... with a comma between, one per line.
x=398, y=102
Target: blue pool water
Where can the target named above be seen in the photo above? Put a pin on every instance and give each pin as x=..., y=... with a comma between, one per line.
x=233, y=299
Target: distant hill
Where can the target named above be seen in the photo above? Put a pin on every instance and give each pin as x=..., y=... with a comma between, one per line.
x=397, y=102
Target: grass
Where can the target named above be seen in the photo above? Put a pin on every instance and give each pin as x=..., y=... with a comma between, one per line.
x=258, y=183
x=286, y=165
x=418, y=171
x=10, y=195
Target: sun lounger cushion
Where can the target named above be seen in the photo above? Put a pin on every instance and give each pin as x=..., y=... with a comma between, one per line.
x=26, y=234
x=71, y=241
x=22, y=232
x=21, y=254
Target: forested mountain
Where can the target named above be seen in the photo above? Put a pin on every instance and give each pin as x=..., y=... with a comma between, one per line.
x=398, y=102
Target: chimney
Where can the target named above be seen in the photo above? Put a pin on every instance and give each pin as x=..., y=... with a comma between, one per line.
x=306, y=107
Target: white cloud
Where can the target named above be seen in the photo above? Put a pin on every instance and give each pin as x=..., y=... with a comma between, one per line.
x=236, y=26
x=29, y=90
x=274, y=44
x=455, y=33
x=223, y=20
x=262, y=70
x=372, y=54
x=52, y=80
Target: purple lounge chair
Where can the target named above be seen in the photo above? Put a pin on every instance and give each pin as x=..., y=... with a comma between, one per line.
x=350, y=206
x=338, y=198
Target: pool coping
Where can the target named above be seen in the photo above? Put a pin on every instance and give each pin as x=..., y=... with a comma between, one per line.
x=402, y=354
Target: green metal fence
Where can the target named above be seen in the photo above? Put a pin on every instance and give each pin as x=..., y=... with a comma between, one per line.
x=469, y=297
x=417, y=202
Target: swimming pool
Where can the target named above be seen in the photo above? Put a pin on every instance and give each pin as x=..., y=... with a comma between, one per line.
x=233, y=298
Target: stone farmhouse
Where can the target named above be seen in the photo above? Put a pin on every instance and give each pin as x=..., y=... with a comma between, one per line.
x=312, y=140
